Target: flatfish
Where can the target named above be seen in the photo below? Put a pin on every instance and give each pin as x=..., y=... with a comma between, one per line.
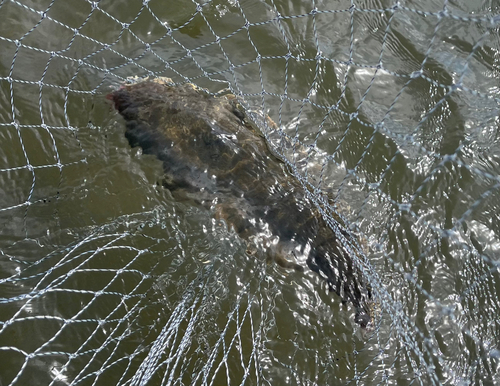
x=212, y=153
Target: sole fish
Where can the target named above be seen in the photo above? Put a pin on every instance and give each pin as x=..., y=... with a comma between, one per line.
x=212, y=153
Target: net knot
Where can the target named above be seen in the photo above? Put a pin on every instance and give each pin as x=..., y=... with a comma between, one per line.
x=416, y=74
x=455, y=87
x=443, y=13
x=404, y=207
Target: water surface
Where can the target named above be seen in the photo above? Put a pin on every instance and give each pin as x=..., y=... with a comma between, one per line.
x=107, y=279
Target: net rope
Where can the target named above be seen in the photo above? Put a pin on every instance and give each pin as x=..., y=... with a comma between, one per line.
x=387, y=111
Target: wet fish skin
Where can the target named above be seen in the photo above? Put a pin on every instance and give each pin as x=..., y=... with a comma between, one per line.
x=211, y=153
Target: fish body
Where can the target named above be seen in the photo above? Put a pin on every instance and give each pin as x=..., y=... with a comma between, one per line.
x=212, y=153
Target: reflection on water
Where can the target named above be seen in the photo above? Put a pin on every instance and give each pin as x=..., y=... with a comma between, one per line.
x=108, y=277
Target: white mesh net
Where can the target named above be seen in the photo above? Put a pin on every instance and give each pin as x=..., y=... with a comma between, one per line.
x=106, y=279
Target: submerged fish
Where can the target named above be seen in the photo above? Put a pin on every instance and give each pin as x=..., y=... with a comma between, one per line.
x=212, y=153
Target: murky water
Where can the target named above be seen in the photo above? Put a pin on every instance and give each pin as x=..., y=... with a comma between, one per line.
x=106, y=266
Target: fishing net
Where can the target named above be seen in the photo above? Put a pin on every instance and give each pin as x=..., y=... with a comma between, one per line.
x=387, y=111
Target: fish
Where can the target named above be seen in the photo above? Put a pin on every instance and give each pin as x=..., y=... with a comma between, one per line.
x=212, y=152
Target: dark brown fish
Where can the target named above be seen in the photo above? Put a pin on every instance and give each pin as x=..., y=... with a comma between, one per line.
x=211, y=153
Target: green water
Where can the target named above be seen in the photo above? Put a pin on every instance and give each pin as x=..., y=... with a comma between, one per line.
x=101, y=221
